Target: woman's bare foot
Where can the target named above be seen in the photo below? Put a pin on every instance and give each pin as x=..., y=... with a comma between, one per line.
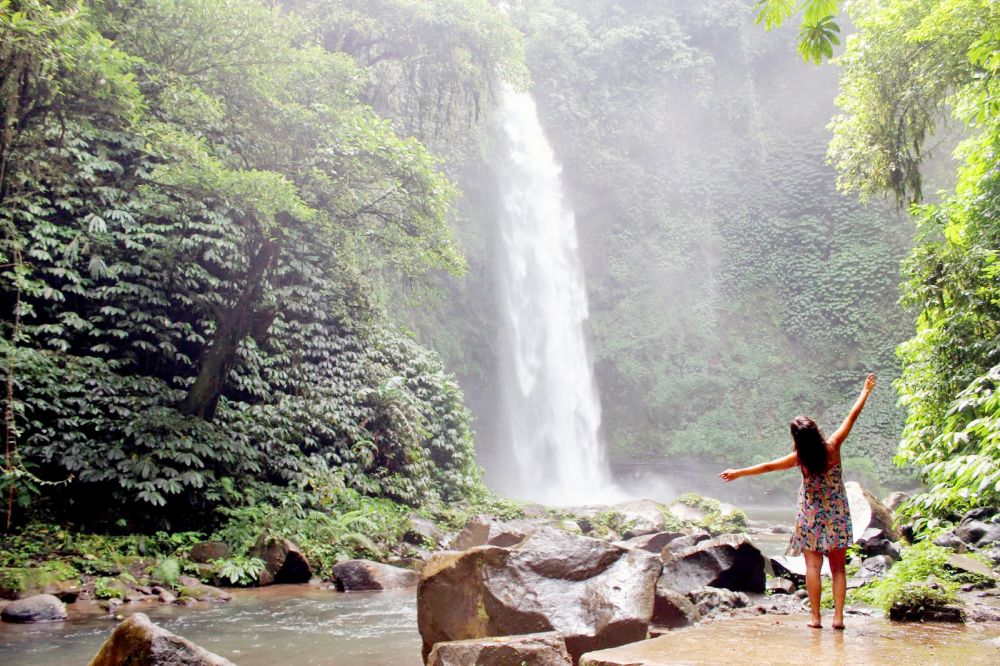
x=838, y=622
x=816, y=624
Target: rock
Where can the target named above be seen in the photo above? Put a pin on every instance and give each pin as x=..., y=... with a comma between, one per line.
x=111, y=605
x=656, y=542
x=873, y=542
x=871, y=569
x=895, y=500
x=642, y=517
x=982, y=513
x=193, y=589
x=541, y=649
x=283, y=559
x=358, y=575
x=482, y=530
x=730, y=561
x=165, y=597
x=868, y=511
x=36, y=608
x=950, y=540
x=978, y=533
x=673, y=609
x=709, y=600
x=423, y=532
x=533, y=510
x=685, y=513
x=966, y=564
x=596, y=594
x=206, y=551
x=139, y=642
x=793, y=567
x=949, y=613
x=686, y=541
x=780, y=586
x=66, y=591
x=570, y=526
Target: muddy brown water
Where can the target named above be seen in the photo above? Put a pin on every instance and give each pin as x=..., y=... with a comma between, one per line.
x=283, y=624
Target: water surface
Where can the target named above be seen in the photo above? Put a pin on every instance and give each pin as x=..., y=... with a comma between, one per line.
x=283, y=624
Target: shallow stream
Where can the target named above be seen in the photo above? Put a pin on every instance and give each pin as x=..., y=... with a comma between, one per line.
x=282, y=624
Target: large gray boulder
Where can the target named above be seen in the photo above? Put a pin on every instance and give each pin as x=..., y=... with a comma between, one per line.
x=139, y=642
x=542, y=649
x=360, y=575
x=206, y=551
x=868, y=511
x=284, y=560
x=36, y=608
x=730, y=561
x=596, y=594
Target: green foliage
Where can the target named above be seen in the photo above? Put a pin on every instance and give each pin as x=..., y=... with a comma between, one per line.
x=167, y=571
x=108, y=588
x=907, y=581
x=205, y=234
x=241, y=571
x=935, y=55
x=817, y=34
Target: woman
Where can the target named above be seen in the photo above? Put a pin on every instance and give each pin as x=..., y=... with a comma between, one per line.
x=823, y=519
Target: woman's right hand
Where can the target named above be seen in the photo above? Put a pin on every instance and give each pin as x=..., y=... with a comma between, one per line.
x=728, y=475
x=870, y=382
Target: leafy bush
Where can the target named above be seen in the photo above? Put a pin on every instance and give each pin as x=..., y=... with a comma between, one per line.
x=241, y=571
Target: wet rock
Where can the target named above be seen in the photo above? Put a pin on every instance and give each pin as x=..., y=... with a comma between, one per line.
x=730, y=561
x=895, y=500
x=139, y=642
x=711, y=600
x=66, y=591
x=672, y=609
x=906, y=613
x=950, y=540
x=483, y=530
x=871, y=569
x=656, y=542
x=868, y=511
x=206, y=551
x=596, y=594
x=570, y=526
x=36, y=608
x=541, y=649
x=165, y=597
x=642, y=517
x=874, y=542
x=978, y=533
x=686, y=541
x=284, y=561
x=966, y=564
x=780, y=586
x=193, y=590
x=423, y=532
x=112, y=605
x=359, y=575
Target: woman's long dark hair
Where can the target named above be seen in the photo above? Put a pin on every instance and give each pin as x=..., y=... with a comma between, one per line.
x=810, y=445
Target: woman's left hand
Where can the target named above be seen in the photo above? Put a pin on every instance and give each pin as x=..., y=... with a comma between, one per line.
x=728, y=475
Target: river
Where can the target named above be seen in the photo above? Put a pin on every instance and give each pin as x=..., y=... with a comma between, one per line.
x=282, y=624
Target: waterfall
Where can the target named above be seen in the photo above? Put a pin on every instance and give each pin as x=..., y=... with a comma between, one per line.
x=551, y=412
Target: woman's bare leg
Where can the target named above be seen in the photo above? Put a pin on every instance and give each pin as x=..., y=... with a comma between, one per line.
x=838, y=558
x=814, y=564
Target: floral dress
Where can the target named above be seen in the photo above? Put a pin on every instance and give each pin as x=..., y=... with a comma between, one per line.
x=823, y=519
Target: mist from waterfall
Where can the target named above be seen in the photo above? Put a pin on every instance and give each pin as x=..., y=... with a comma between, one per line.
x=551, y=412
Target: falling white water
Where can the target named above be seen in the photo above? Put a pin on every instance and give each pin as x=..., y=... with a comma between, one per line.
x=551, y=410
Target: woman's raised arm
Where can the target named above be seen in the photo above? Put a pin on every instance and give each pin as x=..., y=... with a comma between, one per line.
x=845, y=428
x=785, y=462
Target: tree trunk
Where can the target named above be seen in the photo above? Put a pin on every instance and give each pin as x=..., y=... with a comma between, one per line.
x=235, y=324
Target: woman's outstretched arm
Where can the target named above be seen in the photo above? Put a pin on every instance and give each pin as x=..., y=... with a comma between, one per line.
x=785, y=462
x=838, y=437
